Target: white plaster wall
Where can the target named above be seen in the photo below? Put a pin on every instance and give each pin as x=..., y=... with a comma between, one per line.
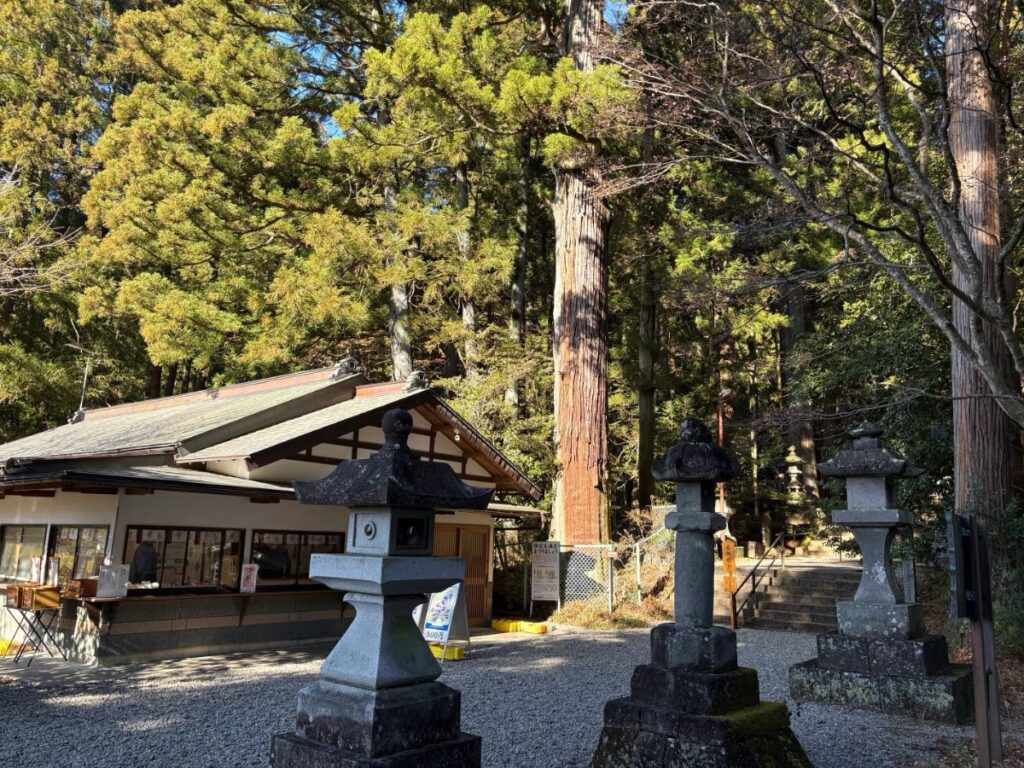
x=473, y=468
x=209, y=511
x=64, y=508
x=167, y=508
x=443, y=445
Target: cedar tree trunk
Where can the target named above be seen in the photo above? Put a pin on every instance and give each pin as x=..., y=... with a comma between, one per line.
x=580, y=337
x=984, y=438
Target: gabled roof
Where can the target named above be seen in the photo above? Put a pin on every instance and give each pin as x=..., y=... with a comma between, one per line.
x=192, y=420
x=304, y=430
x=259, y=422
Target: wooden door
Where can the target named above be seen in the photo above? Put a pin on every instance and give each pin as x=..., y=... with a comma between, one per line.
x=473, y=544
x=446, y=541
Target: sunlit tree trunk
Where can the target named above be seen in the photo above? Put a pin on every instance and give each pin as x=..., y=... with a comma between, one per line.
x=986, y=458
x=580, y=341
x=464, y=242
x=398, y=332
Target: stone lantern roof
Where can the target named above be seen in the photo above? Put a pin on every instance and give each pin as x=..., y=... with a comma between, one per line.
x=695, y=458
x=868, y=458
x=394, y=477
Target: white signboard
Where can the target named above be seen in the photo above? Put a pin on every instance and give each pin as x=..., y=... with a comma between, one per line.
x=249, y=572
x=444, y=619
x=437, y=623
x=113, y=581
x=544, y=571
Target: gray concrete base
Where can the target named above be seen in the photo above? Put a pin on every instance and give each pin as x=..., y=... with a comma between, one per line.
x=382, y=722
x=898, y=621
x=639, y=734
x=711, y=649
x=288, y=750
x=343, y=726
x=945, y=696
x=909, y=658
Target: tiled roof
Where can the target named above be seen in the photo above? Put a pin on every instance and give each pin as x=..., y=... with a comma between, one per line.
x=166, y=478
x=161, y=425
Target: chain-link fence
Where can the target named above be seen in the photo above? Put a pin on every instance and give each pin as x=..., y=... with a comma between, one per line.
x=613, y=573
x=588, y=571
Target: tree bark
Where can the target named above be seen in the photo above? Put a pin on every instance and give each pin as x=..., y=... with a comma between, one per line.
x=398, y=315
x=171, y=380
x=646, y=349
x=580, y=338
x=154, y=373
x=517, y=315
x=800, y=432
x=464, y=242
x=398, y=332
x=581, y=366
x=985, y=440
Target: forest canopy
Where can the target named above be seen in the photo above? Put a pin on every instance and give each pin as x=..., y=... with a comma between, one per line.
x=758, y=214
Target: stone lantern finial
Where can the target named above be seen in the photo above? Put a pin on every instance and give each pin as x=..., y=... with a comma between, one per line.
x=695, y=458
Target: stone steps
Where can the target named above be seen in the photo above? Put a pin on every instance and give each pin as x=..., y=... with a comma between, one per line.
x=811, y=627
x=801, y=599
x=796, y=614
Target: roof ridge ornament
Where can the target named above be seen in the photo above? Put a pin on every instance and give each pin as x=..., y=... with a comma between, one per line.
x=416, y=380
x=347, y=366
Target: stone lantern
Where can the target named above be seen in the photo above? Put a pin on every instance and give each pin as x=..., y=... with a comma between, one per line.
x=693, y=705
x=376, y=702
x=881, y=657
x=794, y=470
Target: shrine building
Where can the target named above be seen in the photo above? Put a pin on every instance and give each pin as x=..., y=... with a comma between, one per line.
x=186, y=489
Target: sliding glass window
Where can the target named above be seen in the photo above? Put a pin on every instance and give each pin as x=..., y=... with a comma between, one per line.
x=283, y=556
x=169, y=558
x=78, y=551
x=19, y=546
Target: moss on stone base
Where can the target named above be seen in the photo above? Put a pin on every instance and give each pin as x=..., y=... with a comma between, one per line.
x=638, y=734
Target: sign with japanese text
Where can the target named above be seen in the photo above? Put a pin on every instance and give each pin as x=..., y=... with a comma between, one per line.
x=544, y=571
x=437, y=623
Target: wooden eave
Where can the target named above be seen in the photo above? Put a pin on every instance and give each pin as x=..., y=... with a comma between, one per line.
x=70, y=481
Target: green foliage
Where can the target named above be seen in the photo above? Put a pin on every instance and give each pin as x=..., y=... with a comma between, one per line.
x=229, y=189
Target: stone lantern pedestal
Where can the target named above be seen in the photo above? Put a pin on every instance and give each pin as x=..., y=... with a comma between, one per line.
x=882, y=657
x=693, y=706
x=377, y=703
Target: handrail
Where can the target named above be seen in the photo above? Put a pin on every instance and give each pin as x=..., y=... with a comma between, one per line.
x=778, y=549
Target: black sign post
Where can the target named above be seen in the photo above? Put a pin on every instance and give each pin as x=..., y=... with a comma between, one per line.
x=971, y=588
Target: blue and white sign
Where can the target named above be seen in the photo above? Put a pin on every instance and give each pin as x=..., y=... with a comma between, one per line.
x=437, y=623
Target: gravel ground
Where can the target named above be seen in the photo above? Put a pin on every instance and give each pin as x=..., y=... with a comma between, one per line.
x=536, y=700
